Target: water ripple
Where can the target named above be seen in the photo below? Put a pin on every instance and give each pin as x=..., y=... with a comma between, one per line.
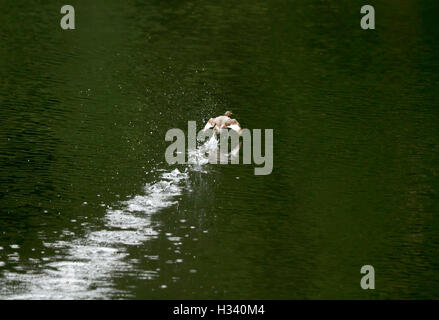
x=90, y=261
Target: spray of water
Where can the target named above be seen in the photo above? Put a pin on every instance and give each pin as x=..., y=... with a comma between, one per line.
x=90, y=261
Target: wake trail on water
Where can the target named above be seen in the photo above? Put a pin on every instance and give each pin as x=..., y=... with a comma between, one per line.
x=89, y=262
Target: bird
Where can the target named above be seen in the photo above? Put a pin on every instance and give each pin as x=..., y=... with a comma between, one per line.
x=223, y=122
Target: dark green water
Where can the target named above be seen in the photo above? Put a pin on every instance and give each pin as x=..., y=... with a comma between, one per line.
x=89, y=209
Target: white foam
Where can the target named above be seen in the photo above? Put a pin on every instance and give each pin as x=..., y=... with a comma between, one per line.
x=203, y=154
x=91, y=261
x=88, y=263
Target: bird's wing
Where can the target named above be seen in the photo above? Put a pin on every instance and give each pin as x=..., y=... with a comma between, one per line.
x=209, y=124
x=234, y=125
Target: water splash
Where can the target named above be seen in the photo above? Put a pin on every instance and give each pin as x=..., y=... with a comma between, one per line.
x=90, y=261
x=209, y=152
x=203, y=154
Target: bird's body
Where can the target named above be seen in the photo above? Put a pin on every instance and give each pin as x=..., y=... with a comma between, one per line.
x=223, y=123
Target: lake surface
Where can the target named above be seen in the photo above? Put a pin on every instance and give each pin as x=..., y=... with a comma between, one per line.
x=90, y=209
